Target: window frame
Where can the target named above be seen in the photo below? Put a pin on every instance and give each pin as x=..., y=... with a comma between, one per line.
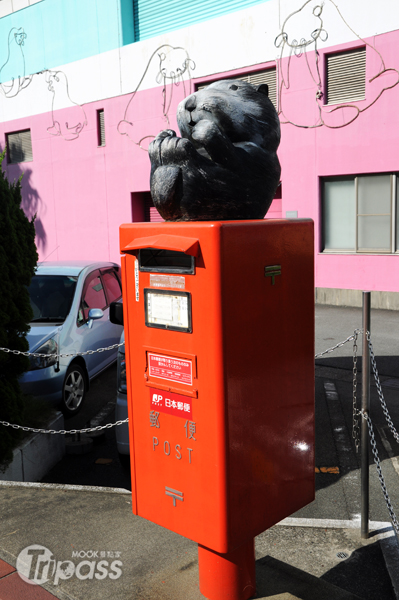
x=9, y=143
x=101, y=143
x=394, y=224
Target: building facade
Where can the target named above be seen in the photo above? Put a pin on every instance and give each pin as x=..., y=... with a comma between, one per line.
x=85, y=86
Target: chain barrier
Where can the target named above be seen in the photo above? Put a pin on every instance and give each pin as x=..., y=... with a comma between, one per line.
x=360, y=413
x=355, y=411
x=379, y=391
x=379, y=471
x=339, y=345
x=363, y=414
x=109, y=425
x=87, y=352
x=64, y=431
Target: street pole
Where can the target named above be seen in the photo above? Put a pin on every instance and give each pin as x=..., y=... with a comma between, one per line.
x=364, y=457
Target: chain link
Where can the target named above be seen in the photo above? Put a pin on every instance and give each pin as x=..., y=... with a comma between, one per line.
x=64, y=431
x=379, y=471
x=379, y=390
x=113, y=347
x=360, y=413
x=348, y=339
x=355, y=411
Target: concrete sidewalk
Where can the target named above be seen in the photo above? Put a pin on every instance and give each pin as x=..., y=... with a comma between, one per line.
x=76, y=528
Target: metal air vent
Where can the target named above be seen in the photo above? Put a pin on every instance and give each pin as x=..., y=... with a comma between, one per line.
x=346, y=76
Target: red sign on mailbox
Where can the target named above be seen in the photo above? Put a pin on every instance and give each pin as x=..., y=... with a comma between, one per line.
x=170, y=368
x=171, y=403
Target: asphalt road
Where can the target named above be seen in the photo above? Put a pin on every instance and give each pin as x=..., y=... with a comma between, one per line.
x=338, y=494
x=101, y=466
x=102, y=391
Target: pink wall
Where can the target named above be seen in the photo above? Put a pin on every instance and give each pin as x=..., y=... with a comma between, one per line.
x=367, y=145
x=82, y=193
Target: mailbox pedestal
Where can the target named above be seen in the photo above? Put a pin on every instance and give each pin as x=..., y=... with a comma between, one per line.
x=229, y=576
x=219, y=338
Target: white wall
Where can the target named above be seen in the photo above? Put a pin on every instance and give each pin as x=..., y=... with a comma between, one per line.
x=235, y=41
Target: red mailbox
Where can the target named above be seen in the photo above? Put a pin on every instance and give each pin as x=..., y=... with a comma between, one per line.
x=219, y=330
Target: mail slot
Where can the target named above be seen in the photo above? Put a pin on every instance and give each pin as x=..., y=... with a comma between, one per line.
x=155, y=260
x=220, y=374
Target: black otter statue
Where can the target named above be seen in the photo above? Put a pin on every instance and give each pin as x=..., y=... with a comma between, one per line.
x=225, y=166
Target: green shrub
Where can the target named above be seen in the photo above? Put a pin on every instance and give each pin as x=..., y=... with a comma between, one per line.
x=18, y=259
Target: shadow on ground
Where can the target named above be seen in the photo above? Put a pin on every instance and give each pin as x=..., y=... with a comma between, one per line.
x=362, y=575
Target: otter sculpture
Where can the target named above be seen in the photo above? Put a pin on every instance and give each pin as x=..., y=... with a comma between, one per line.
x=225, y=166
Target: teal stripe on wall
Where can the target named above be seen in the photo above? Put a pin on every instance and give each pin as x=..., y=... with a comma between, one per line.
x=57, y=32
x=154, y=17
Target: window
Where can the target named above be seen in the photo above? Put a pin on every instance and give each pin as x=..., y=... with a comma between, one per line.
x=93, y=296
x=100, y=128
x=19, y=147
x=360, y=214
x=267, y=76
x=112, y=286
x=51, y=297
x=346, y=76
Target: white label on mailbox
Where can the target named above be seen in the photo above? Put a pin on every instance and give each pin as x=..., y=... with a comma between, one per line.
x=167, y=309
x=171, y=368
x=136, y=278
x=167, y=281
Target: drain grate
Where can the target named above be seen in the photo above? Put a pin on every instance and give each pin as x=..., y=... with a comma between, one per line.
x=342, y=555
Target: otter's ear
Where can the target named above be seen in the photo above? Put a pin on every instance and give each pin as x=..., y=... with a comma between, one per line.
x=263, y=88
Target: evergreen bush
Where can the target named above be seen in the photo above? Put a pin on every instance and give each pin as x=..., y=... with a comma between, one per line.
x=18, y=259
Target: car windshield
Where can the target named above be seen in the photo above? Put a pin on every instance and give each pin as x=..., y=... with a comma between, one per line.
x=51, y=297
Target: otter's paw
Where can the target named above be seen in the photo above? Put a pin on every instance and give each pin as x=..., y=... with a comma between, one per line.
x=167, y=149
x=204, y=131
x=155, y=148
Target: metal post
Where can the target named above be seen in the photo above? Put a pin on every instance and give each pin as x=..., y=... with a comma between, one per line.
x=364, y=457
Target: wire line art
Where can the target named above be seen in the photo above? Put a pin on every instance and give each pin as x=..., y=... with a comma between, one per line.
x=9, y=85
x=174, y=69
x=292, y=48
x=57, y=83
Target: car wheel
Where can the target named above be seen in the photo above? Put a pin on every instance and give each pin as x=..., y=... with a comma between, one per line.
x=74, y=390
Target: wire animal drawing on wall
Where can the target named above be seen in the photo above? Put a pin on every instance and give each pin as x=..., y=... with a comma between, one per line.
x=10, y=85
x=291, y=49
x=68, y=129
x=174, y=69
x=74, y=121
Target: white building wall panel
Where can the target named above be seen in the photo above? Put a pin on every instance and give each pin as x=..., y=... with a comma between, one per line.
x=230, y=42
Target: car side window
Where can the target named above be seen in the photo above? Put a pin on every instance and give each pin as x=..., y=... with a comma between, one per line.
x=112, y=285
x=93, y=296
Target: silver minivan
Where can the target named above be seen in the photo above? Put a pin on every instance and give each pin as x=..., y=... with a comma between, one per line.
x=70, y=303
